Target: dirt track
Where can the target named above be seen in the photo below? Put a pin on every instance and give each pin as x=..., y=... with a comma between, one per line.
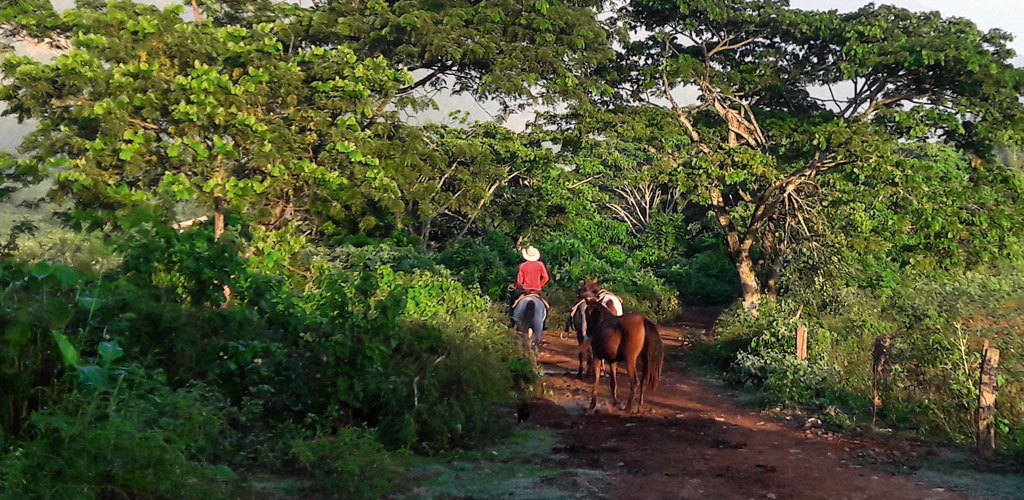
x=693, y=442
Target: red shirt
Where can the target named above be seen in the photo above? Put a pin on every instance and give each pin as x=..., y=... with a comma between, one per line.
x=532, y=275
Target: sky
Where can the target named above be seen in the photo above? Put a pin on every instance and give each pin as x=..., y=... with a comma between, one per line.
x=987, y=14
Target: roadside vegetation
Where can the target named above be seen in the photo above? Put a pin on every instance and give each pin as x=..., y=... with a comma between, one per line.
x=338, y=309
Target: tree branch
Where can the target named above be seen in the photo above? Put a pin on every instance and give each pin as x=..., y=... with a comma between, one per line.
x=723, y=47
x=584, y=181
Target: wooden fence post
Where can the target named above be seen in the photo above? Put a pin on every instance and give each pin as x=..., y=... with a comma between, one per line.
x=987, y=400
x=879, y=358
x=801, y=343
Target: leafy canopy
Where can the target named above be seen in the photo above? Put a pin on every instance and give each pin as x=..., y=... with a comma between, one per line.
x=784, y=96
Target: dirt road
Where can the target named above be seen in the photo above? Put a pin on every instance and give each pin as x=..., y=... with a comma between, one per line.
x=693, y=442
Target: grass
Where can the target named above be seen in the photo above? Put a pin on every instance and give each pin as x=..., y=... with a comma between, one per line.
x=960, y=470
x=519, y=467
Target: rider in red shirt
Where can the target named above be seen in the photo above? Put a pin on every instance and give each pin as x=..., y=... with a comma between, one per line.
x=532, y=273
x=531, y=279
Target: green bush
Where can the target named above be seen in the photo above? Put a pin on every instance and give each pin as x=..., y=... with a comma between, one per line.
x=490, y=264
x=708, y=277
x=359, y=344
x=135, y=439
x=763, y=353
x=350, y=463
x=937, y=323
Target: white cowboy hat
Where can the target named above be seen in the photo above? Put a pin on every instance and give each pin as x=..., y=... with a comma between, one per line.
x=531, y=253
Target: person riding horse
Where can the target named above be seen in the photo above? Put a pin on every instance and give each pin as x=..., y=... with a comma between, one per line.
x=532, y=277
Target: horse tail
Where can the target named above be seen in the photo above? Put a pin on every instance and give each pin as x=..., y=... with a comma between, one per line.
x=528, y=311
x=654, y=354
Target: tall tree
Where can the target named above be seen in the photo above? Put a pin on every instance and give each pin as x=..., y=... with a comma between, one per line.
x=278, y=110
x=785, y=96
x=516, y=52
x=146, y=103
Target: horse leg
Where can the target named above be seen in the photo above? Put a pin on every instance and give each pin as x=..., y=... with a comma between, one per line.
x=643, y=377
x=538, y=333
x=611, y=382
x=631, y=372
x=597, y=378
x=579, y=373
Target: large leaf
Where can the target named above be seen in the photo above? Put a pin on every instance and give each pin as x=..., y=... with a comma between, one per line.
x=67, y=351
x=41, y=270
x=93, y=376
x=110, y=351
x=66, y=275
x=57, y=313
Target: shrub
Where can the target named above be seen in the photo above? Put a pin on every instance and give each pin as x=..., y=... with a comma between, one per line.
x=938, y=323
x=764, y=353
x=489, y=264
x=708, y=277
x=136, y=440
x=350, y=463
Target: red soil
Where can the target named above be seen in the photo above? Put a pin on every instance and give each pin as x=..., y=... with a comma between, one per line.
x=694, y=442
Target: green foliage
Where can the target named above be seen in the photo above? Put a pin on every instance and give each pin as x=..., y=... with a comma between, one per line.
x=934, y=210
x=490, y=264
x=349, y=464
x=134, y=437
x=192, y=111
x=364, y=253
x=515, y=50
x=361, y=345
x=282, y=111
x=937, y=323
x=756, y=143
x=760, y=352
x=36, y=307
x=707, y=277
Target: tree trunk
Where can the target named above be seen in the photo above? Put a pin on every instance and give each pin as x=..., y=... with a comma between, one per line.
x=771, y=285
x=218, y=216
x=425, y=233
x=739, y=252
x=749, y=284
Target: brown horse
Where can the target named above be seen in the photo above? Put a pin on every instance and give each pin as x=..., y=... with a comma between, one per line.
x=577, y=316
x=633, y=339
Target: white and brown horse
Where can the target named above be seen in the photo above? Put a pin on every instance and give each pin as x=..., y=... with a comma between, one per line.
x=577, y=315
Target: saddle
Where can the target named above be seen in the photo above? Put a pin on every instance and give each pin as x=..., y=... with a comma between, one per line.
x=601, y=295
x=581, y=303
x=547, y=307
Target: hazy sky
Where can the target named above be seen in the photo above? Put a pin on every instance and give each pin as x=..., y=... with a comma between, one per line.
x=1005, y=14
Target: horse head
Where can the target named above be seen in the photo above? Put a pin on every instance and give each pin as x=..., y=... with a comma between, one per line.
x=515, y=290
x=588, y=286
x=595, y=312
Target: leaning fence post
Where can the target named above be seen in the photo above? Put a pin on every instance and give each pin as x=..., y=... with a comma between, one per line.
x=987, y=400
x=801, y=343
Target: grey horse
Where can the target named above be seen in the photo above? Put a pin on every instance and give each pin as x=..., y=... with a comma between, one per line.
x=578, y=321
x=529, y=316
